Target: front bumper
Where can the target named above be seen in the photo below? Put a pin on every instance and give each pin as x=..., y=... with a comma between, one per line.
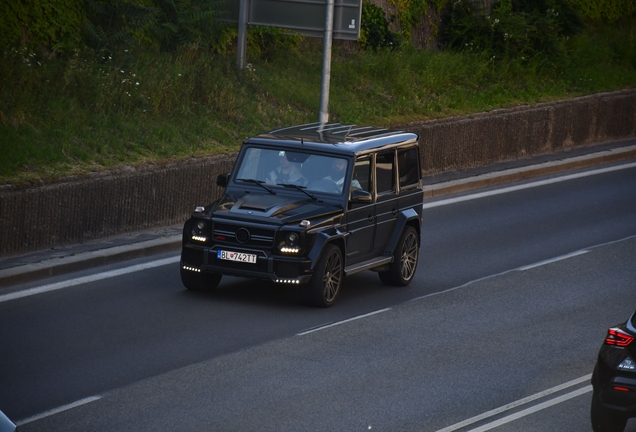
x=277, y=268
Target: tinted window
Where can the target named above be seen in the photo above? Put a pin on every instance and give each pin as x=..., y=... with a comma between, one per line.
x=408, y=167
x=384, y=172
x=362, y=175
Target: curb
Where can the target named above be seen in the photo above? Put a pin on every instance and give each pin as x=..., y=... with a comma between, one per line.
x=517, y=174
x=82, y=261
x=57, y=266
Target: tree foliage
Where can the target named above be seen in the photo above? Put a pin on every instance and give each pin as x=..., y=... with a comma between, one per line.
x=523, y=29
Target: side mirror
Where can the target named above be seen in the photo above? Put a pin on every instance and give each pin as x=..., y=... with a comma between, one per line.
x=360, y=196
x=223, y=179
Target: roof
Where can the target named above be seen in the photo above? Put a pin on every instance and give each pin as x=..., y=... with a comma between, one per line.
x=347, y=137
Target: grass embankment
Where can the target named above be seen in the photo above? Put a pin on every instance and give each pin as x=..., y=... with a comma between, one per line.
x=87, y=112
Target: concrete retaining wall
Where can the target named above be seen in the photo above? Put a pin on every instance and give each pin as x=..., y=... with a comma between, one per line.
x=81, y=210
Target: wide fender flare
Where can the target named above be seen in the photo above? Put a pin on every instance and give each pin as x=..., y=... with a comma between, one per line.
x=330, y=236
x=403, y=219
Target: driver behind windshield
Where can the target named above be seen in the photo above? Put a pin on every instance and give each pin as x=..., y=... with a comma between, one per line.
x=338, y=172
x=285, y=173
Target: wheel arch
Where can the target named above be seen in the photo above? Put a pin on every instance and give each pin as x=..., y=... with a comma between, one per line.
x=406, y=218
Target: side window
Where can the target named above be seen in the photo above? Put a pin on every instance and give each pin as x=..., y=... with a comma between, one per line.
x=385, y=172
x=408, y=167
x=362, y=175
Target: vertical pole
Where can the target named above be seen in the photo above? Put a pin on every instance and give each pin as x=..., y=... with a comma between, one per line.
x=323, y=116
x=242, y=34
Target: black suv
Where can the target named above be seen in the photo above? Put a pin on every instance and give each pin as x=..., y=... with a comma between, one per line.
x=308, y=205
x=614, y=379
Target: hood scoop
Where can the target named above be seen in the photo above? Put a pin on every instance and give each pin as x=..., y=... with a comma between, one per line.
x=260, y=203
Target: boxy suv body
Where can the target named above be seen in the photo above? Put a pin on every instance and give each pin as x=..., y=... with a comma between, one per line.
x=308, y=205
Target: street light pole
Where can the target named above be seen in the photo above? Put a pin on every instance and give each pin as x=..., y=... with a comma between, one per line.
x=242, y=34
x=323, y=116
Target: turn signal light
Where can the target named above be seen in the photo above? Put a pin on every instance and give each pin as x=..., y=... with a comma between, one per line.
x=618, y=338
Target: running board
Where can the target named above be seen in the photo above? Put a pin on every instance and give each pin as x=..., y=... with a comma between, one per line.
x=366, y=265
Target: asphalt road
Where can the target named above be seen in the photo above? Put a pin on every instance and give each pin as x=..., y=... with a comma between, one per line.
x=480, y=328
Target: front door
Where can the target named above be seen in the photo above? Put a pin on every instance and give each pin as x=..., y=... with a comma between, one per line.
x=360, y=215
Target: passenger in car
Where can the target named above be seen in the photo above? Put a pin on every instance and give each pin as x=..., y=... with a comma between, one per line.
x=286, y=173
x=338, y=172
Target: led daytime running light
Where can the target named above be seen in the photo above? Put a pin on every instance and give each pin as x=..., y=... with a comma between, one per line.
x=199, y=238
x=287, y=281
x=194, y=269
x=285, y=249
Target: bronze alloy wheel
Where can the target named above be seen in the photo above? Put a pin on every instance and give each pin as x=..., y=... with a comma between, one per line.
x=408, y=261
x=324, y=287
x=405, y=256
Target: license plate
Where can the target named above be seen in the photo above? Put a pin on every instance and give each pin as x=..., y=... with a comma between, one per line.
x=236, y=256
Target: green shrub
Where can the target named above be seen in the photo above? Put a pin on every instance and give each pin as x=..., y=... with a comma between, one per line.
x=522, y=29
x=51, y=25
x=608, y=11
x=375, y=31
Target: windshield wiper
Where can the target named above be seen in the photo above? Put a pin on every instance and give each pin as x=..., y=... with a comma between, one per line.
x=261, y=183
x=300, y=188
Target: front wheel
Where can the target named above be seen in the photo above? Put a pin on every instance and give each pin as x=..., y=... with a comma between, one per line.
x=325, y=283
x=604, y=419
x=200, y=281
x=405, y=256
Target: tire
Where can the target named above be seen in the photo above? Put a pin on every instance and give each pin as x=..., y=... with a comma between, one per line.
x=325, y=283
x=405, y=257
x=200, y=281
x=604, y=419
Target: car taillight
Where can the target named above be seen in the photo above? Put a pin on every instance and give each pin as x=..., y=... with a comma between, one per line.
x=618, y=337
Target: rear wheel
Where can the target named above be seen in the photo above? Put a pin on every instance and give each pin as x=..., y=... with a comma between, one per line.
x=200, y=281
x=604, y=419
x=325, y=283
x=405, y=256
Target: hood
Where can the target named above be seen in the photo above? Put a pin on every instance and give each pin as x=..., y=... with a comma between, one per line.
x=282, y=209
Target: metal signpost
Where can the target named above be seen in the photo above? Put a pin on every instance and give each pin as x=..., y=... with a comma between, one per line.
x=339, y=19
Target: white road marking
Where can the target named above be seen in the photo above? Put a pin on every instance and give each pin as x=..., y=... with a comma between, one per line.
x=553, y=260
x=58, y=410
x=534, y=409
x=521, y=402
x=526, y=186
x=87, y=279
x=341, y=322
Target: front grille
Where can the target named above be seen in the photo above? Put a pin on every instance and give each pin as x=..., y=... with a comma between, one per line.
x=248, y=236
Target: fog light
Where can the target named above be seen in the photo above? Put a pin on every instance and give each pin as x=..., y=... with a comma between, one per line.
x=627, y=365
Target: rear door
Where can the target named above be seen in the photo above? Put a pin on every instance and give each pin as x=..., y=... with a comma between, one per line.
x=386, y=207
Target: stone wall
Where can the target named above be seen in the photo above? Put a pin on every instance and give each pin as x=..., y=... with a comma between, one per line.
x=85, y=209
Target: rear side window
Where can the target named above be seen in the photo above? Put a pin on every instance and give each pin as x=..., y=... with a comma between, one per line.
x=384, y=172
x=409, y=167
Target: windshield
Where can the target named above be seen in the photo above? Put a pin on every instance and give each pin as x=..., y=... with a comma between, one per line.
x=278, y=167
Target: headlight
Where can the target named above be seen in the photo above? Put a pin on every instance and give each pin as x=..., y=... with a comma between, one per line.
x=290, y=243
x=199, y=227
x=292, y=239
x=199, y=231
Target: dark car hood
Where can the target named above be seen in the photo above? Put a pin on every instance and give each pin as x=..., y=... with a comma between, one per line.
x=274, y=207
